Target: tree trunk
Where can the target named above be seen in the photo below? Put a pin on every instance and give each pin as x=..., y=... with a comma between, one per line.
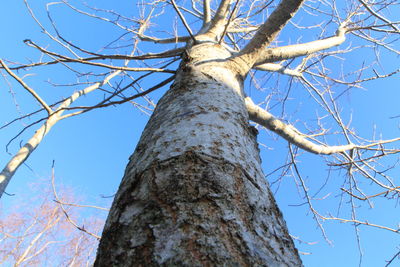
x=193, y=193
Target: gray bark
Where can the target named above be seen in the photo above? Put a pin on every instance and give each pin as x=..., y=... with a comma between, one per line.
x=193, y=193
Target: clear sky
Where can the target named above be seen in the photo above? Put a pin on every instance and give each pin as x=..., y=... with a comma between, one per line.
x=92, y=150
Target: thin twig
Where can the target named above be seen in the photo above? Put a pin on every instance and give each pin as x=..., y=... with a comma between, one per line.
x=183, y=20
x=57, y=200
x=30, y=90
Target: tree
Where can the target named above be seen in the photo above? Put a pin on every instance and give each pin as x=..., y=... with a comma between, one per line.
x=194, y=191
x=43, y=231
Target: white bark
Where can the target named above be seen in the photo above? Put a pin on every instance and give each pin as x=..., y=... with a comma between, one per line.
x=194, y=193
x=273, y=67
x=269, y=30
x=298, y=50
x=24, y=152
x=206, y=12
x=288, y=132
x=27, y=88
x=213, y=30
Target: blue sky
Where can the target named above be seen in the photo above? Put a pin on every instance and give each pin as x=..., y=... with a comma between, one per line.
x=91, y=151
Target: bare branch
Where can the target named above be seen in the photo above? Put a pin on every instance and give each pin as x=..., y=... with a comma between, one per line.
x=68, y=59
x=288, y=132
x=306, y=194
x=371, y=196
x=183, y=20
x=30, y=90
x=242, y=29
x=279, y=68
x=217, y=24
x=80, y=205
x=45, y=31
x=397, y=255
x=206, y=12
x=173, y=40
x=61, y=204
x=228, y=22
x=298, y=50
x=24, y=152
x=33, y=242
x=377, y=15
x=96, y=17
x=294, y=136
x=165, y=54
x=269, y=30
x=366, y=223
x=105, y=103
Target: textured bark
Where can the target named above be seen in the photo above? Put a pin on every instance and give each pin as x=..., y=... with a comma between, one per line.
x=194, y=193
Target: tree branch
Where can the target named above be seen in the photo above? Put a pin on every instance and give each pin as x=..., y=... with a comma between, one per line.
x=217, y=24
x=375, y=14
x=68, y=59
x=243, y=29
x=61, y=204
x=183, y=20
x=269, y=30
x=166, y=54
x=206, y=12
x=172, y=40
x=289, y=133
x=24, y=152
x=294, y=136
x=30, y=90
x=105, y=102
x=221, y=38
x=292, y=51
x=278, y=68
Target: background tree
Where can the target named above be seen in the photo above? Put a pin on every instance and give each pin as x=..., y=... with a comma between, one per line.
x=358, y=26
x=43, y=230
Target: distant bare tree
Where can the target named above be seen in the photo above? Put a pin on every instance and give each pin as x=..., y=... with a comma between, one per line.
x=44, y=232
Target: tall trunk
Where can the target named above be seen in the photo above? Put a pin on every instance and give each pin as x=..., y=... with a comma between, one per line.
x=193, y=193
